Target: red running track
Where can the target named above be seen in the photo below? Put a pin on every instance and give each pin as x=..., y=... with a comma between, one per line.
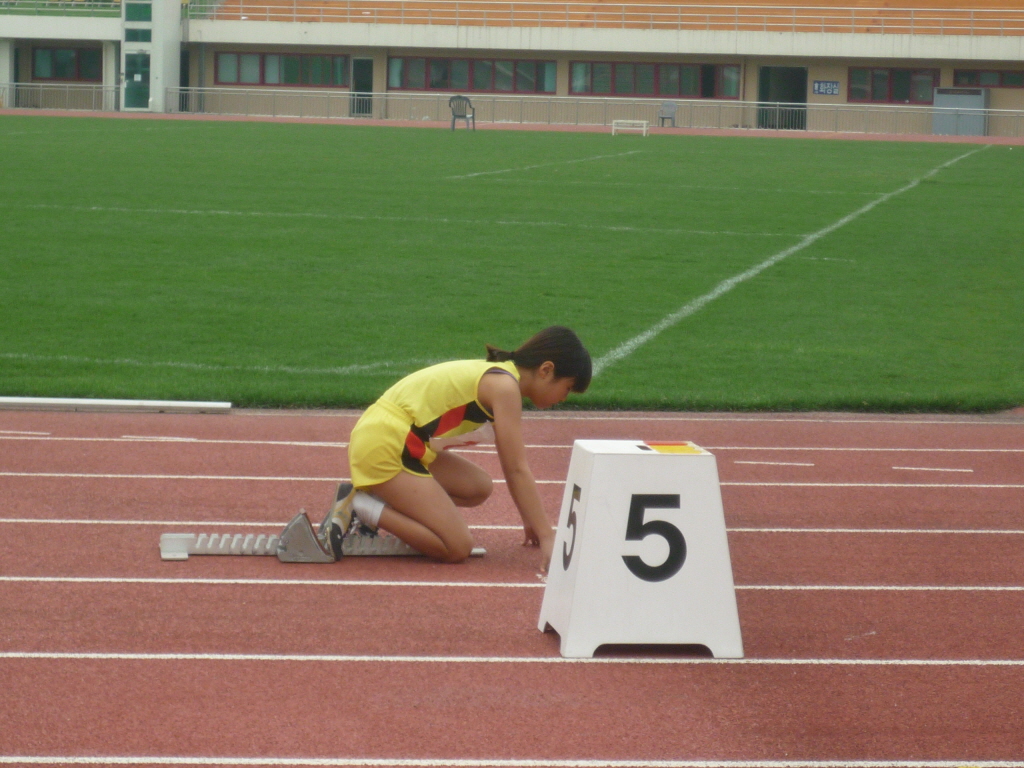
x=879, y=564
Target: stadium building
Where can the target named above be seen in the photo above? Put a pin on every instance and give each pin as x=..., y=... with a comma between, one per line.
x=916, y=66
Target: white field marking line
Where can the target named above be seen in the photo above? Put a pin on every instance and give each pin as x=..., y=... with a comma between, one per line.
x=258, y=524
x=501, y=481
x=19, y=432
x=399, y=219
x=933, y=469
x=470, y=584
x=601, y=660
x=628, y=347
x=545, y=165
x=670, y=185
x=367, y=762
x=345, y=370
x=776, y=463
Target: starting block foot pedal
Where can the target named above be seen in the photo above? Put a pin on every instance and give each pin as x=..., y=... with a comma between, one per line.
x=299, y=543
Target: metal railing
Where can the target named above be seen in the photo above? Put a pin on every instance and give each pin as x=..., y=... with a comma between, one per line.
x=630, y=15
x=546, y=110
x=568, y=110
x=61, y=7
x=62, y=96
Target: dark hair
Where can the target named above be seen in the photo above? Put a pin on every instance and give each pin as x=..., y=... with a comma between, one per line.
x=559, y=345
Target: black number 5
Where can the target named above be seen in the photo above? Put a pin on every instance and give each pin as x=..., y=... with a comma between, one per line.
x=571, y=523
x=637, y=530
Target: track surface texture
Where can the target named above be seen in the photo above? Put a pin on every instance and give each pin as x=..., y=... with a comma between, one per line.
x=878, y=560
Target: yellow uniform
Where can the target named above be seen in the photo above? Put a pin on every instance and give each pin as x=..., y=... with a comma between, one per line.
x=394, y=433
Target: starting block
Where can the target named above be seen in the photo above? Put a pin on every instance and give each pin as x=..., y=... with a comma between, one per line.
x=641, y=554
x=297, y=543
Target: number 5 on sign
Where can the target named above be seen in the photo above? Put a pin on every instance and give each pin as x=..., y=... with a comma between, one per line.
x=641, y=555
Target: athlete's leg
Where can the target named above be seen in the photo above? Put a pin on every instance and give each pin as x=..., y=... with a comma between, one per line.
x=419, y=511
x=466, y=483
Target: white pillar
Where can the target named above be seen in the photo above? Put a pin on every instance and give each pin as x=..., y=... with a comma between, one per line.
x=165, y=66
x=111, y=75
x=7, y=73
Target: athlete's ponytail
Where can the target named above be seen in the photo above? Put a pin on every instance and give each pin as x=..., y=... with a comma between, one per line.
x=556, y=344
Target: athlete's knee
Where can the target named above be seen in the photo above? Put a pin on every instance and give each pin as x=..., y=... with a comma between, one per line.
x=479, y=492
x=457, y=548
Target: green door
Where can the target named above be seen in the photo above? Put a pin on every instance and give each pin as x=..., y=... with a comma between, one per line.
x=136, y=80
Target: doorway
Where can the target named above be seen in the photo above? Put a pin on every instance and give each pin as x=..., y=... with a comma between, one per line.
x=362, y=88
x=136, y=81
x=782, y=92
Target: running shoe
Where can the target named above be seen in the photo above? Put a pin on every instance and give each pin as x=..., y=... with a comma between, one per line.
x=336, y=524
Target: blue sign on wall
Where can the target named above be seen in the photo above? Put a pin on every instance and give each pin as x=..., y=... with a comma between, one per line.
x=826, y=88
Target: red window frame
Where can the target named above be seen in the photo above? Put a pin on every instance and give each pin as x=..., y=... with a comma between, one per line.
x=719, y=70
x=78, y=66
x=263, y=69
x=1000, y=73
x=889, y=84
x=430, y=61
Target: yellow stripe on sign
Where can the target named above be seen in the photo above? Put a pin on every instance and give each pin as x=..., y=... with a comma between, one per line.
x=685, y=447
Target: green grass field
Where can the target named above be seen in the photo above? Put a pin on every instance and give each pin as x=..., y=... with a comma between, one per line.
x=312, y=265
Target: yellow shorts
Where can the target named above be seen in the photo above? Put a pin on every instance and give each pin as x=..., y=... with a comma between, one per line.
x=376, y=445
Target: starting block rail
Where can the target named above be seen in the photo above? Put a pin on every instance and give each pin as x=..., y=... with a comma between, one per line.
x=297, y=543
x=630, y=125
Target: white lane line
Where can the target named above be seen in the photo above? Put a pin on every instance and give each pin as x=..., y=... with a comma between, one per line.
x=840, y=449
x=559, y=447
x=344, y=659
x=545, y=165
x=974, y=531
x=280, y=524
x=933, y=469
x=246, y=478
x=19, y=432
x=197, y=440
x=250, y=478
x=116, y=476
x=959, y=486
x=776, y=463
x=182, y=523
x=471, y=584
x=386, y=762
x=627, y=348
x=569, y=415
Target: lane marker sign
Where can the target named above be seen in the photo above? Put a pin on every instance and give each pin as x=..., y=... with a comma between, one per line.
x=641, y=554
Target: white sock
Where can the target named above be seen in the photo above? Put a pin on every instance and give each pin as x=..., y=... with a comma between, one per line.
x=368, y=508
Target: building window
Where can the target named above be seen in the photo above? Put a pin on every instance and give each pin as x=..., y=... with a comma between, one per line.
x=138, y=11
x=138, y=35
x=311, y=71
x=486, y=75
x=982, y=78
x=691, y=81
x=892, y=86
x=67, y=64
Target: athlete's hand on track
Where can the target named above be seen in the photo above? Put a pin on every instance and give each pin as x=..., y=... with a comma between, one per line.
x=531, y=539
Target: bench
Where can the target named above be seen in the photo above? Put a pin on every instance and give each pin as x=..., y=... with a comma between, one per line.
x=629, y=125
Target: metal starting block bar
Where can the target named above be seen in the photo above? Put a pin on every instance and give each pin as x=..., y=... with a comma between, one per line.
x=297, y=543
